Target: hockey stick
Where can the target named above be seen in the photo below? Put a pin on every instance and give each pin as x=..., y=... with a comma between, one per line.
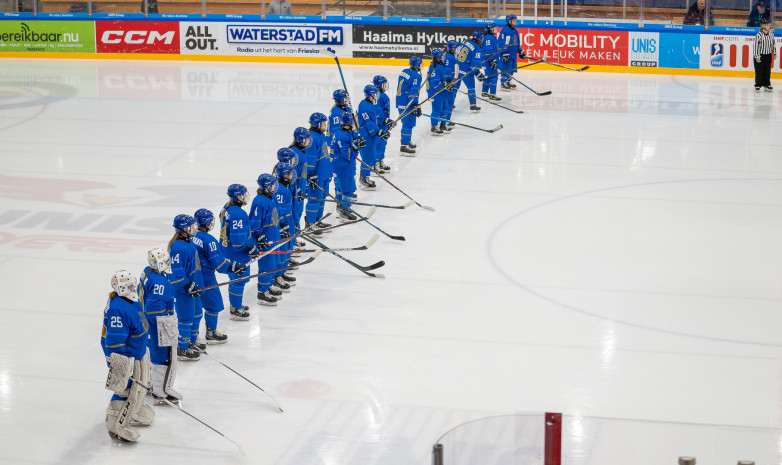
x=245, y=278
x=561, y=66
x=364, y=218
x=465, y=125
x=497, y=104
x=364, y=269
x=541, y=94
x=282, y=242
x=240, y=375
x=425, y=207
x=395, y=207
x=238, y=446
x=369, y=243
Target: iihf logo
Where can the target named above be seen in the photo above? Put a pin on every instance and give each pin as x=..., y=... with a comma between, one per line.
x=716, y=54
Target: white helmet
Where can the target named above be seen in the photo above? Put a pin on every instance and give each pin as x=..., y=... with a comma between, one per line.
x=159, y=260
x=124, y=284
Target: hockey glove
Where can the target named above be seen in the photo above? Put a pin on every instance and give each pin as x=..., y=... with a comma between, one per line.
x=506, y=57
x=312, y=180
x=262, y=242
x=389, y=123
x=493, y=63
x=237, y=268
x=193, y=289
x=479, y=76
x=383, y=134
x=253, y=252
x=417, y=112
x=300, y=196
x=285, y=230
x=358, y=143
x=450, y=87
x=522, y=55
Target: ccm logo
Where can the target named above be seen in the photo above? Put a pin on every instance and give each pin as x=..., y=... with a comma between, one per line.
x=137, y=37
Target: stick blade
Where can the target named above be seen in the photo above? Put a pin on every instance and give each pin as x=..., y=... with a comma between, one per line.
x=371, y=212
x=496, y=129
x=542, y=94
x=409, y=204
x=375, y=266
x=425, y=207
x=371, y=241
x=377, y=275
x=584, y=68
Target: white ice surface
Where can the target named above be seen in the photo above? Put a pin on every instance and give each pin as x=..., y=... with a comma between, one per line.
x=612, y=252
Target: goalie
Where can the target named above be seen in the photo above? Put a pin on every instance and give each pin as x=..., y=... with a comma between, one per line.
x=124, y=341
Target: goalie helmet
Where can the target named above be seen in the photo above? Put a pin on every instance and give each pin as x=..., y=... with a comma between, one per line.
x=205, y=219
x=125, y=284
x=287, y=155
x=159, y=260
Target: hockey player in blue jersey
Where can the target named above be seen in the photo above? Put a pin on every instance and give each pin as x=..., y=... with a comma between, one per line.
x=188, y=284
x=490, y=55
x=157, y=300
x=468, y=59
x=341, y=105
x=286, y=176
x=213, y=260
x=265, y=229
x=406, y=100
x=124, y=342
x=508, y=42
x=370, y=130
x=384, y=116
x=301, y=140
x=437, y=80
x=237, y=245
x=290, y=156
x=449, y=63
x=319, y=172
x=345, y=151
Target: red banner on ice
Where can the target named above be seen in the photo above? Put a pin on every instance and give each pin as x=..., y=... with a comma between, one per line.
x=574, y=46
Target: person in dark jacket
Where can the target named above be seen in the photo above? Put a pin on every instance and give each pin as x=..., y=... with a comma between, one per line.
x=759, y=11
x=696, y=14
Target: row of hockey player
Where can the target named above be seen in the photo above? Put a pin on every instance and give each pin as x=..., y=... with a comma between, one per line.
x=152, y=322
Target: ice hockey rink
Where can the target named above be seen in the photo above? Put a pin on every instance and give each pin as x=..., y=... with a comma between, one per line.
x=612, y=254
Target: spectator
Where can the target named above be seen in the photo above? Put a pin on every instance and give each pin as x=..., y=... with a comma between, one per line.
x=696, y=13
x=280, y=7
x=759, y=11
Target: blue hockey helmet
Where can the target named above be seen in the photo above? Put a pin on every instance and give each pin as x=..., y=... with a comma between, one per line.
x=451, y=45
x=287, y=155
x=283, y=169
x=340, y=96
x=316, y=119
x=302, y=136
x=346, y=119
x=183, y=222
x=490, y=26
x=415, y=63
x=204, y=218
x=477, y=35
x=238, y=192
x=267, y=183
x=371, y=91
x=509, y=18
x=437, y=55
x=380, y=82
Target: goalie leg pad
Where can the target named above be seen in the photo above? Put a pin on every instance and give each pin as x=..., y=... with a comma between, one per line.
x=118, y=421
x=142, y=377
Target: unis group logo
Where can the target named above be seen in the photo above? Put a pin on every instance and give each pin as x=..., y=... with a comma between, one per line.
x=137, y=37
x=284, y=35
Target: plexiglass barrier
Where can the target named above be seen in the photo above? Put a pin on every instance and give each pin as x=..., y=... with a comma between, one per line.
x=536, y=439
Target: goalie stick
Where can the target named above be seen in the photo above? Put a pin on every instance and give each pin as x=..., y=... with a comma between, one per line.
x=238, y=446
x=493, y=103
x=396, y=207
x=369, y=243
x=364, y=269
x=240, y=375
x=465, y=125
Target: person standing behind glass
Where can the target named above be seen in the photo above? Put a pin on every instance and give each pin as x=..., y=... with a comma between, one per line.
x=280, y=7
x=695, y=14
x=765, y=48
x=759, y=11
